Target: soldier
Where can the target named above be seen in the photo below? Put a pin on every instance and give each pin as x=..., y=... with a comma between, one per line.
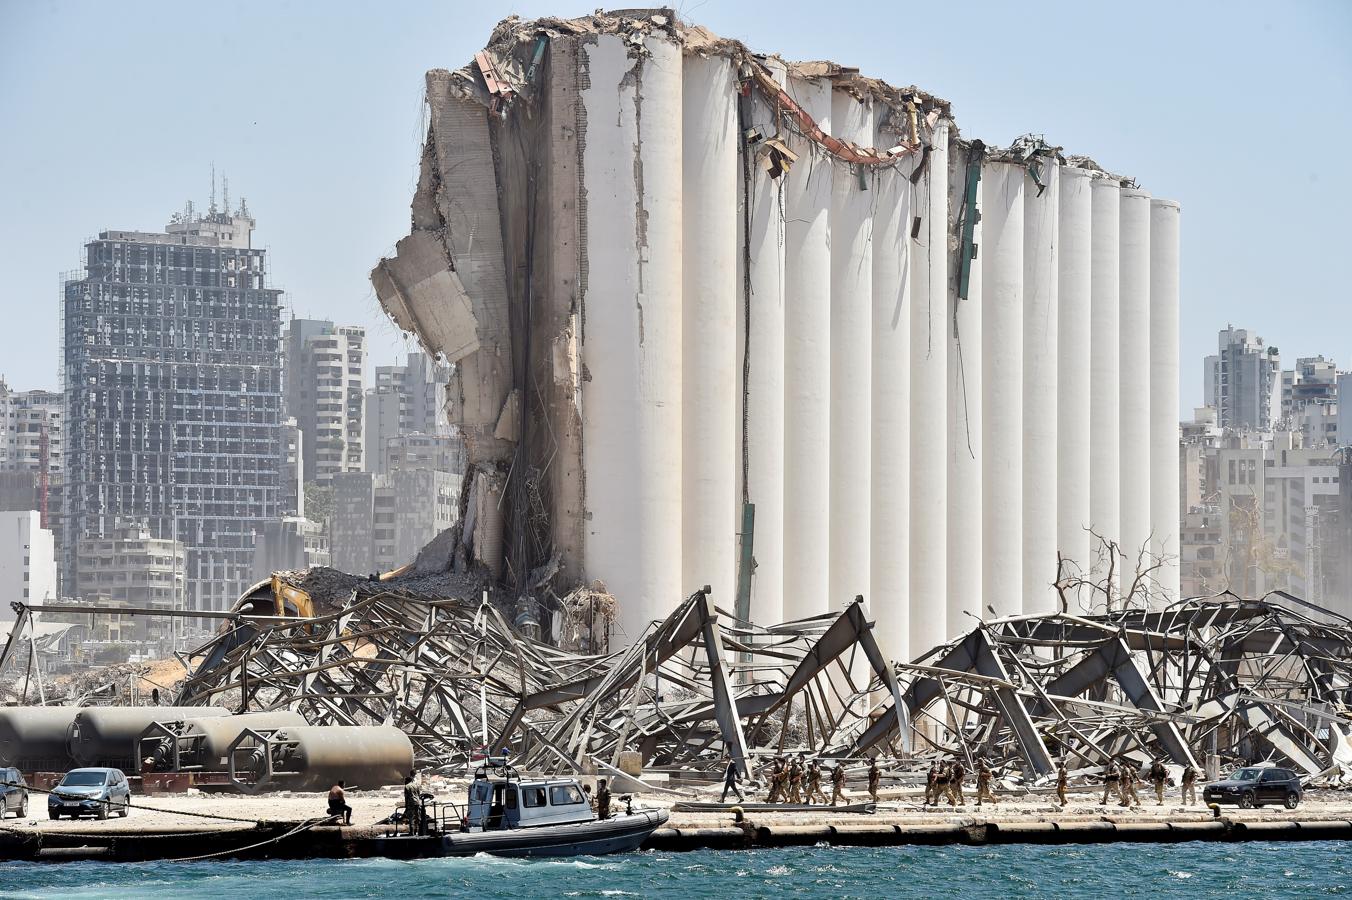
x=1127, y=784
x=837, y=783
x=1189, y=782
x=1062, y=781
x=814, y=783
x=795, y=781
x=602, y=799
x=875, y=777
x=1158, y=775
x=730, y=783
x=932, y=785
x=941, y=782
x=412, y=806
x=776, y=780
x=983, y=782
x=1112, y=782
x=956, y=775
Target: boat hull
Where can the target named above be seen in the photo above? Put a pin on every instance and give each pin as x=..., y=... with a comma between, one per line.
x=616, y=835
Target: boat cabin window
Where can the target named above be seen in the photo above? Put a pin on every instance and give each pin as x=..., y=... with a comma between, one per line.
x=564, y=795
x=510, y=797
x=532, y=796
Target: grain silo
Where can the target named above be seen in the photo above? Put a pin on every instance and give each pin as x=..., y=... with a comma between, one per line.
x=723, y=318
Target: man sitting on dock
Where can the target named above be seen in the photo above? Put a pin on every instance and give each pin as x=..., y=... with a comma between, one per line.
x=338, y=804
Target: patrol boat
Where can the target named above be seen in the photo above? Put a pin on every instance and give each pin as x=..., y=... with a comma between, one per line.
x=509, y=816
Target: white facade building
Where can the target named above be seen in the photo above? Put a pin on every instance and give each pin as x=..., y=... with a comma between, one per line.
x=27, y=561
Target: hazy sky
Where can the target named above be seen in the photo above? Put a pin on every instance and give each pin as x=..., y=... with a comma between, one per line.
x=112, y=113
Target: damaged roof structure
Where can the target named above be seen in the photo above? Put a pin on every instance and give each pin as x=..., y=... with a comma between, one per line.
x=1219, y=678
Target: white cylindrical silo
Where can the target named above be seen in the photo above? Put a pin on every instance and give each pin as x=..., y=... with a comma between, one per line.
x=807, y=372
x=1104, y=511
x=929, y=400
x=964, y=424
x=852, y=195
x=763, y=422
x=890, y=510
x=1040, y=382
x=1164, y=506
x=1073, y=358
x=710, y=374
x=632, y=332
x=1134, y=388
x=1002, y=186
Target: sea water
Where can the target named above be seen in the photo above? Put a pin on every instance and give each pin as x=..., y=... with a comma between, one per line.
x=1097, y=871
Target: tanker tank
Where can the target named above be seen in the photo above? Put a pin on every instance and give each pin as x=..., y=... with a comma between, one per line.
x=109, y=735
x=315, y=757
x=203, y=745
x=33, y=738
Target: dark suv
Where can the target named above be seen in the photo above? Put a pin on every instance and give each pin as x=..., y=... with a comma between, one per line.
x=1253, y=786
x=13, y=793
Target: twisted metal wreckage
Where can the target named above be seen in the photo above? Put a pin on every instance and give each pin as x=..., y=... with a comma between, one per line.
x=1212, y=679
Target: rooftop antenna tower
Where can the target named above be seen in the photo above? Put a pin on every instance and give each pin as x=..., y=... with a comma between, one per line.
x=225, y=194
x=212, y=210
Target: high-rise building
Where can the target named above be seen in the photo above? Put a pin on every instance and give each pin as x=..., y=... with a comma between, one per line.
x=171, y=364
x=32, y=444
x=129, y=567
x=380, y=522
x=324, y=386
x=407, y=399
x=1243, y=382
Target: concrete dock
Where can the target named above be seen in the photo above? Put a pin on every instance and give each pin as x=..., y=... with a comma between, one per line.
x=179, y=827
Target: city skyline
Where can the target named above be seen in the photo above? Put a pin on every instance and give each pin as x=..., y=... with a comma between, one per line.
x=358, y=185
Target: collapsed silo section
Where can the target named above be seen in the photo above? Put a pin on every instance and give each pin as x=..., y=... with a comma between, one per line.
x=36, y=738
x=315, y=757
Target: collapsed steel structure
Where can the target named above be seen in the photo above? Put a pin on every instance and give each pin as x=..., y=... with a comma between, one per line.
x=1217, y=679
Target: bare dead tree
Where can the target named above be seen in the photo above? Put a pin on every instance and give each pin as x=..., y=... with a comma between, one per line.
x=1098, y=587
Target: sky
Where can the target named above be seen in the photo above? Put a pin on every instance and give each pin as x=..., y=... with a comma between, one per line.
x=112, y=115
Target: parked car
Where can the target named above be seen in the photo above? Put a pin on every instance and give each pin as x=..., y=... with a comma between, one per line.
x=1254, y=786
x=13, y=793
x=90, y=792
